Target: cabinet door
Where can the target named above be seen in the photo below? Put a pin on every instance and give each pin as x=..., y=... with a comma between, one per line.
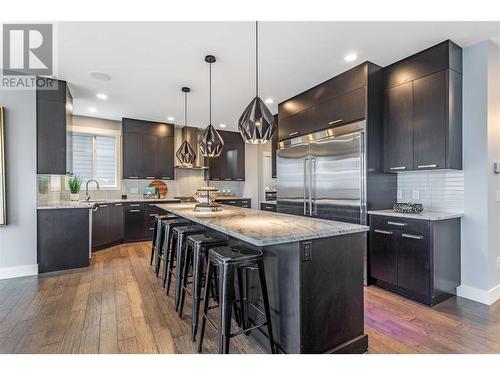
x=116, y=222
x=399, y=128
x=430, y=121
x=295, y=125
x=69, y=132
x=383, y=255
x=149, y=156
x=414, y=262
x=51, y=137
x=100, y=225
x=337, y=111
x=134, y=222
x=165, y=158
x=132, y=155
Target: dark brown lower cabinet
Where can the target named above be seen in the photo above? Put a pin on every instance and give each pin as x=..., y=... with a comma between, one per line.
x=268, y=207
x=134, y=222
x=62, y=239
x=237, y=202
x=419, y=259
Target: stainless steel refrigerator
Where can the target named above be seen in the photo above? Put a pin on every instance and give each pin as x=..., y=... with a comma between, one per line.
x=323, y=174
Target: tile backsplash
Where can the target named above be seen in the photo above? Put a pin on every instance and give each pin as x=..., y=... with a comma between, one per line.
x=436, y=190
x=51, y=188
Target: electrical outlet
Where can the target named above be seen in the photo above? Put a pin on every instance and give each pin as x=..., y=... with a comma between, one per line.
x=498, y=195
x=498, y=263
x=416, y=195
x=134, y=190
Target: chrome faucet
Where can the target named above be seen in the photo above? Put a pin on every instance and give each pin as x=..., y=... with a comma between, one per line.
x=87, y=195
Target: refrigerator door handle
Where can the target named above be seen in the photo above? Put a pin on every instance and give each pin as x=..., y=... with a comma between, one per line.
x=304, y=186
x=312, y=187
x=362, y=198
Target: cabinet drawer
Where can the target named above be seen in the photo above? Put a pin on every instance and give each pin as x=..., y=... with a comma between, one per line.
x=403, y=225
x=268, y=207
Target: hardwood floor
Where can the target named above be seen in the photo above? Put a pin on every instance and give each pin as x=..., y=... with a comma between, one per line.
x=117, y=306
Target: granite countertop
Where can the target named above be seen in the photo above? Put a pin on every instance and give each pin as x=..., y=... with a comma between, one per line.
x=263, y=228
x=425, y=215
x=222, y=198
x=92, y=203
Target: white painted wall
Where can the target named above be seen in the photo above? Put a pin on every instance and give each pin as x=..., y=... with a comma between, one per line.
x=480, y=225
x=18, y=239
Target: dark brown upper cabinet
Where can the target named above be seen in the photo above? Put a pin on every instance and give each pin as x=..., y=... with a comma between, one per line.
x=423, y=110
x=148, y=150
x=338, y=101
x=54, y=114
x=230, y=164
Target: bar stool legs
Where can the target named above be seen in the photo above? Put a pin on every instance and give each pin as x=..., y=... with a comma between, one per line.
x=229, y=262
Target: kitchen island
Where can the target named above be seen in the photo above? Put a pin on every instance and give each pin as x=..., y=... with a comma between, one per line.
x=314, y=271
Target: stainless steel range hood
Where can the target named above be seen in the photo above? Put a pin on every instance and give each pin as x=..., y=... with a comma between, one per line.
x=192, y=134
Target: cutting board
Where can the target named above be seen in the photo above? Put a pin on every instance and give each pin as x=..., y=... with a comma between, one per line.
x=161, y=187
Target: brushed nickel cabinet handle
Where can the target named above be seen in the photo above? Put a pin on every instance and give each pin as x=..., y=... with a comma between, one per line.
x=397, y=168
x=383, y=232
x=103, y=205
x=428, y=166
x=135, y=205
x=165, y=178
x=227, y=179
x=151, y=228
x=335, y=122
x=412, y=236
x=117, y=204
x=239, y=179
x=397, y=224
x=134, y=177
x=150, y=178
x=293, y=133
x=135, y=210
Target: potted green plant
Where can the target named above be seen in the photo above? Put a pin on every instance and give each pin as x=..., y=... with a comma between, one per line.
x=74, y=184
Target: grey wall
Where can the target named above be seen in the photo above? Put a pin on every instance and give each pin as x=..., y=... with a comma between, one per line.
x=18, y=238
x=480, y=225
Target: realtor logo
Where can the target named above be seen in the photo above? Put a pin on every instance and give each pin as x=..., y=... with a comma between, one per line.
x=27, y=49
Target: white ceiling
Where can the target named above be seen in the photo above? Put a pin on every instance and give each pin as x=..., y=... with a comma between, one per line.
x=150, y=62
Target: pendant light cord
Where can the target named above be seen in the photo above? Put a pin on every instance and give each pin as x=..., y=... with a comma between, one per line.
x=256, y=58
x=185, y=108
x=210, y=90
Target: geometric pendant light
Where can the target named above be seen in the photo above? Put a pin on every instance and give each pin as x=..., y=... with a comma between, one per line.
x=186, y=153
x=210, y=143
x=256, y=123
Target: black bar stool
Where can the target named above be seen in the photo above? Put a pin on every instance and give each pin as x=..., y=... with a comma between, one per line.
x=156, y=236
x=178, y=251
x=160, y=237
x=196, y=256
x=228, y=260
x=168, y=242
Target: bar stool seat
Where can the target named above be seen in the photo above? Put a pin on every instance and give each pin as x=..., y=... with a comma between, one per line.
x=197, y=247
x=229, y=260
x=178, y=251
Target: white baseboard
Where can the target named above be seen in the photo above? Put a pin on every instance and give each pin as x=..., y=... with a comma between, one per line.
x=488, y=297
x=20, y=271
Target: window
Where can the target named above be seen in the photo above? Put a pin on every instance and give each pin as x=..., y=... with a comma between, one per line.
x=95, y=157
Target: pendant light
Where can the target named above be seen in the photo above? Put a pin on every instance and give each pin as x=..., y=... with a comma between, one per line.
x=211, y=143
x=256, y=123
x=186, y=153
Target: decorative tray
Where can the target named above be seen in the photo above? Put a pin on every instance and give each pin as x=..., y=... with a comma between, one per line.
x=408, y=208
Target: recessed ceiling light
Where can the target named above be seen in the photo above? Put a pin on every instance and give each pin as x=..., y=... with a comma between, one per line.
x=350, y=57
x=222, y=125
x=170, y=118
x=92, y=109
x=102, y=96
x=100, y=76
x=269, y=101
